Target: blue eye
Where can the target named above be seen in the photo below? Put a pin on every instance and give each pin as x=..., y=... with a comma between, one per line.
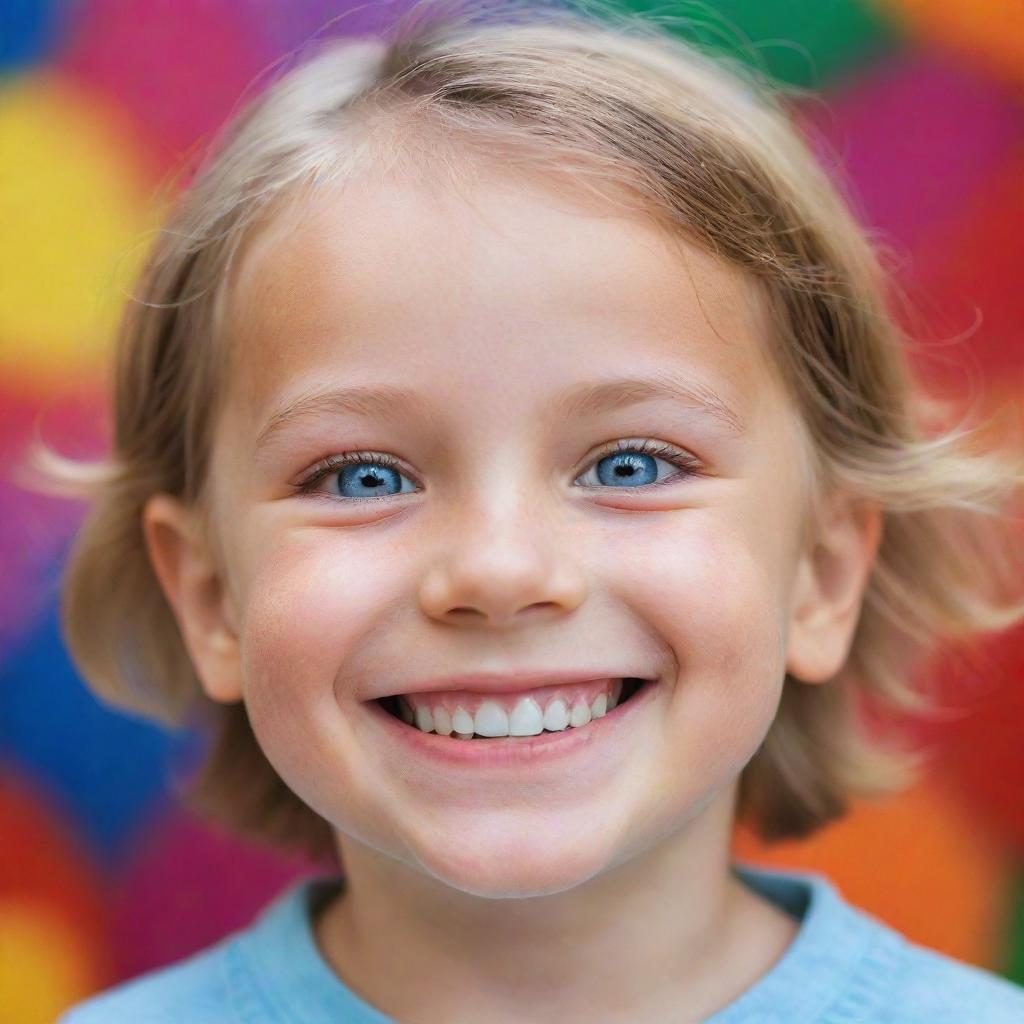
x=635, y=464
x=358, y=476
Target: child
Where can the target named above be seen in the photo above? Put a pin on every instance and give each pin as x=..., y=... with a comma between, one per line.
x=515, y=462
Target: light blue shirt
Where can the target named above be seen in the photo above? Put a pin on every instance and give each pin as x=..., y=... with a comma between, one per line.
x=843, y=967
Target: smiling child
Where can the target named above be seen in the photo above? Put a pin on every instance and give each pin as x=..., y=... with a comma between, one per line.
x=517, y=467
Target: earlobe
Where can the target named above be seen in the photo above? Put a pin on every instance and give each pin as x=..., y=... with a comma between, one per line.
x=829, y=588
x=192, y=584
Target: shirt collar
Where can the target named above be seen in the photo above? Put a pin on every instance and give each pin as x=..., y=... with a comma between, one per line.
x=837, y=949
x=835, y=965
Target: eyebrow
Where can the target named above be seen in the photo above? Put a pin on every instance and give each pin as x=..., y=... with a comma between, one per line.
x=588, y=398
x=593, y=397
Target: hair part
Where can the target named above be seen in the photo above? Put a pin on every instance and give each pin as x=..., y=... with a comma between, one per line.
x=615, y=104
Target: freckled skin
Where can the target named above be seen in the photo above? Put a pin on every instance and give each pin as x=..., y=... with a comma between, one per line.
x=491, y=308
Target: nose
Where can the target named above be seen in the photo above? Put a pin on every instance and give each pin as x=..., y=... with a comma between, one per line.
x=500, y=566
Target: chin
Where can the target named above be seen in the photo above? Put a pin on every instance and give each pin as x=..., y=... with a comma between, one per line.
x=539, y=864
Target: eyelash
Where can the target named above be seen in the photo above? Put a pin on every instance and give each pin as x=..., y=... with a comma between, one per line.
x=676, y=456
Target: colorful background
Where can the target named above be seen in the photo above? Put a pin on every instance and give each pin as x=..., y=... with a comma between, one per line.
x=99, y=101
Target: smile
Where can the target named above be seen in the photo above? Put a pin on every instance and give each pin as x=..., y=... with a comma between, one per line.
x=593, y=748
x=478, y=716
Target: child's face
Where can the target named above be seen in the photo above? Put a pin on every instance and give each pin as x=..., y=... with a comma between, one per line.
x=497, y=546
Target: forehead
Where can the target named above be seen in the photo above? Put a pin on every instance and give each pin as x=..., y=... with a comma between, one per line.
x=410, y=282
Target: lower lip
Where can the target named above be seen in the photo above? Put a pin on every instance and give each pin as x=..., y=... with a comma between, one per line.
x=512, y=752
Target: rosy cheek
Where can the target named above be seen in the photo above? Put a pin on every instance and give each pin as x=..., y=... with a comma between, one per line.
x=715, y=600
x=309, y=603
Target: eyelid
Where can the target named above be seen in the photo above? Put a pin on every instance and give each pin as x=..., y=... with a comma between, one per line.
x=646, y=446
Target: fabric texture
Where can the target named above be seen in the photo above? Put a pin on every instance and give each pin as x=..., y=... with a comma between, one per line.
x=843, y=967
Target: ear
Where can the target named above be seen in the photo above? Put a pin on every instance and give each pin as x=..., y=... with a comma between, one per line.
x=194, y=589
x=829, y=588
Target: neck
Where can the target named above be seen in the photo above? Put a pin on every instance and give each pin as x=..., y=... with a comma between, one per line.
x=664, y=933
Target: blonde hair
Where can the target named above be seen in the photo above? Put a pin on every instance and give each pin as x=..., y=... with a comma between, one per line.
x=620, y=106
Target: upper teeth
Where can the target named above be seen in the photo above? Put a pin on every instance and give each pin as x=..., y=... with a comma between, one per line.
x=525, y=719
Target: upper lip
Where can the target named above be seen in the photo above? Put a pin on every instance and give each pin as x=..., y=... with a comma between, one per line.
x=491, y=682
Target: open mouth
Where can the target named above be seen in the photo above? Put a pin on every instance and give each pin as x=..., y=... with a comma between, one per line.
x=460, y=725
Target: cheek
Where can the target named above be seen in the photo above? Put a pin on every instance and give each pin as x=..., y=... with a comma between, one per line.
x=716, y=596
x=712, y=588
x=307, y=603
x=306, y=611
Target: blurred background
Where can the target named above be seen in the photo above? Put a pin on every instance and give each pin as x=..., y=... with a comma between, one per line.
x=920, y=103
